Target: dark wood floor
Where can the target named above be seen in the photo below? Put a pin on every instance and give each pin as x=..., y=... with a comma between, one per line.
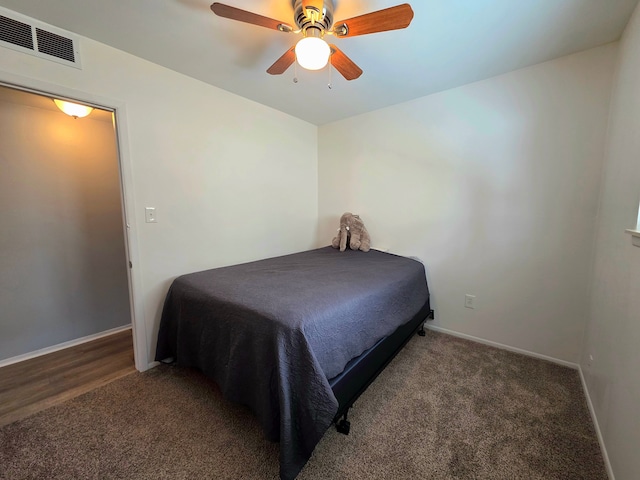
x=33, y=385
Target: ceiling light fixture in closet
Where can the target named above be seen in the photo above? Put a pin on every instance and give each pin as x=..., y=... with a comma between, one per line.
x=74, y=110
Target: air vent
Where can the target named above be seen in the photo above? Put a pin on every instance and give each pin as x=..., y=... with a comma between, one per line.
x=27, y=35
x=15, y=32
x=55, y=45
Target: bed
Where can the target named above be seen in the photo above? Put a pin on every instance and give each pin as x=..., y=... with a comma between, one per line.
x=296, y=338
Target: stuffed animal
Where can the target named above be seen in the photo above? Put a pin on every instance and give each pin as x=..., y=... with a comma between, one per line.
x=352, y=233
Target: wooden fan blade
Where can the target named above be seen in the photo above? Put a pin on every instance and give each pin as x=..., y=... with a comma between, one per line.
x=234, y=13
x=344, y=64
x=392, y=18
x=285, y=61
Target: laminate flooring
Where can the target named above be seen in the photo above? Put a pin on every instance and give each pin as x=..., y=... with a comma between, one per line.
x=32, y=385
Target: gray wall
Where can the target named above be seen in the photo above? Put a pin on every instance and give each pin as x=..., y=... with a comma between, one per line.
x=62, y=256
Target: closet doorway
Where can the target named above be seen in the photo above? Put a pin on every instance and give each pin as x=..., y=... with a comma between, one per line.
x=64, y=268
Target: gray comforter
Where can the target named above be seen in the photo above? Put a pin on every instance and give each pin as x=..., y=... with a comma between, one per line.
x=271, y=332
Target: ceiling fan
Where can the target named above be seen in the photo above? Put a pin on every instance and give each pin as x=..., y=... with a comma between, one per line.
x=314, y=19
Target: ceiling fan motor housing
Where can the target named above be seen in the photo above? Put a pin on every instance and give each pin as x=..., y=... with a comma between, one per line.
x=316, y=13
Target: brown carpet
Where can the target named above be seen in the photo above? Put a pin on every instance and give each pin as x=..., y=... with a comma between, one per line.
x=444, y=408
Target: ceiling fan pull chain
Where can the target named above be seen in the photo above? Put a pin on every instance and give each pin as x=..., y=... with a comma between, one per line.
x=295, y=72
x=330, y=69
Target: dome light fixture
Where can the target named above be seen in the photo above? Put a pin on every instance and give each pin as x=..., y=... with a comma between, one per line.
x=74, y=110
x=312, y=52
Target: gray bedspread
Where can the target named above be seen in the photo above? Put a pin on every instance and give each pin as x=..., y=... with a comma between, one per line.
x=272, y=332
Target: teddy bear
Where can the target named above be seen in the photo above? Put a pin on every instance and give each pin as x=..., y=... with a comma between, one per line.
x=353, y=233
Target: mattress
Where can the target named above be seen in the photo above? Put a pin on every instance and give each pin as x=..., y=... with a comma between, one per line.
x=272, y=332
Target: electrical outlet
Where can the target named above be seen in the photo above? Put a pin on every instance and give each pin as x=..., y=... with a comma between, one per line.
x=590, y=361
x=470, y=301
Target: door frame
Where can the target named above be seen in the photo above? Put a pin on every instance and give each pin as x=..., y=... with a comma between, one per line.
x=134, y=273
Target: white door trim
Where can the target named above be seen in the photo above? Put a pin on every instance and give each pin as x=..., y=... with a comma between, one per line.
x=141, y=352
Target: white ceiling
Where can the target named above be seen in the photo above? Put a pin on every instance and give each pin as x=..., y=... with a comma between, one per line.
x=448, y=44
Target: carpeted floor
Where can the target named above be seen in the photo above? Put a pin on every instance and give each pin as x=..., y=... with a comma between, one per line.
x=445, y=408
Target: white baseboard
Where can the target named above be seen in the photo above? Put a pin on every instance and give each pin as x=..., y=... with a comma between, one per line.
x=575, y=366
x=592, y=411
x=152, y=365
x=60, y=346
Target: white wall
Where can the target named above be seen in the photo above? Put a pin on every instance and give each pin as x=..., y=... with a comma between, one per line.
x=495, y=186
x=63, y=270
x=613, y=332
x=232, y=180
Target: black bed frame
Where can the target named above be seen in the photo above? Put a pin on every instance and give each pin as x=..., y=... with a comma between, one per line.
x=360, y=372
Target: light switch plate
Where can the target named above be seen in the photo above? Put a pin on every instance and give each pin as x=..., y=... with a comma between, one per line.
x=150, y=215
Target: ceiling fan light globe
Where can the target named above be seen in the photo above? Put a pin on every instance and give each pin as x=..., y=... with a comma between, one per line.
x=312, y=53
